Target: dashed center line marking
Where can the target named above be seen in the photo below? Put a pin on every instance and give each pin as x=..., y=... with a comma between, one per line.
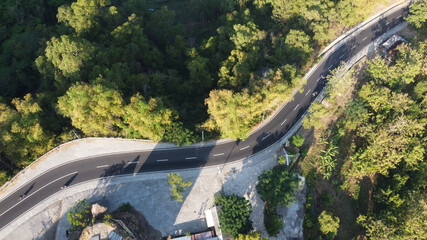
x=218, y=154
x=376, y=30
x=399, y=16
x=283, y=122
x=133, y=162
x=102, y=166
x=342, y=56
x=308, y=92
x=188, y=158
x=244, y=148
x=319, y=79
x=266, y=137
x=330, y=67
x=364, y=39
x=296, y=107
x=162, y=160
x=387, y=23
x=353, y=47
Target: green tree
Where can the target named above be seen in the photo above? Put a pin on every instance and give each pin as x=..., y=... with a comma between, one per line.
x=162, y=28
x=68, y=54
x=150, y=120
x=316, y=113
x=246, y=35
x=418, y=15
x=298, y=47
x=84, y=15
x=94, y=109
x=277, y=186
x=232, y=114
x=79, y=215
x=250, y=236
x=178, y=134
x=329, y=224
x=327, y=161
x=177, y=186
x=297, y=140
x=234, y=215
x=22, y=138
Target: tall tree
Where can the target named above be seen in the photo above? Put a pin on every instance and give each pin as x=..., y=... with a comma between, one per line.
x=94, y=109
x=84, y=15
x=150, y=120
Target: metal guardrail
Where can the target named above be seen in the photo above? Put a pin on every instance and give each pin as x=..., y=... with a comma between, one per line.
x=122, y=224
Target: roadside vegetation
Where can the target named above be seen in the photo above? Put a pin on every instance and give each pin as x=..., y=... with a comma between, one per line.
x=366, y=167
x=160, y=70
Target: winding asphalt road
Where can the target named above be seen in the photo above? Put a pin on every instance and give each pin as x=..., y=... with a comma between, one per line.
x=192, y=157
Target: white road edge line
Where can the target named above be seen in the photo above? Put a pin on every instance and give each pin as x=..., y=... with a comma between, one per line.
x=188, y=158
x=218, y=154
x=266, y=137
x=102, y=166
x=244, y=148
x=38, y=190
x=308, y=92
x=364, y=39
x=296, y=107
x=319, y=78
x=283, y=122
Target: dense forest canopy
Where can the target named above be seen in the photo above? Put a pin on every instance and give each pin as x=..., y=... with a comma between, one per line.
x=155, y=70
x=370, y=157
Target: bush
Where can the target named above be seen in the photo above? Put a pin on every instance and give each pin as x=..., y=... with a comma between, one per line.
x=297, y=140
x=234, y=214
x=126, y=207
x=80, y=216
x=107, y=219
x=177, y=186
x=272, y=222
x=277, y=186
x=328, y=224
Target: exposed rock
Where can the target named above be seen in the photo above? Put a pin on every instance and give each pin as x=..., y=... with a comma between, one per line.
x=99, y=208
x=294, y=214
x=101, y=230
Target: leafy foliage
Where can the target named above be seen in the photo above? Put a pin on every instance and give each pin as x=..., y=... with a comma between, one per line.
x=234, y=214
x=250, y=236
x=329, y=224
x=417, y=15
x=177, y=186
x=79, y=216
x=94, y=109
x=297, y=140
x=277, y=186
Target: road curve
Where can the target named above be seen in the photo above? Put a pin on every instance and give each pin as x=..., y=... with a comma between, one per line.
x=192, y=157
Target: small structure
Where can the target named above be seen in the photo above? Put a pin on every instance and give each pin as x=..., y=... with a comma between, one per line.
x=389, y=46
x=212, y=233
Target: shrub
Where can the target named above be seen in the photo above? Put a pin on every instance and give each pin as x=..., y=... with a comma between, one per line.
x=79, y=215
x=177, y=186
x=272, y=222
x=328, y=224
x=126, y=207
x=234, y=214
x=297, y=140
x=277, y=186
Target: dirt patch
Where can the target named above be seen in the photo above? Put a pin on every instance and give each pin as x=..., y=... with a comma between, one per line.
x=136, y=223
